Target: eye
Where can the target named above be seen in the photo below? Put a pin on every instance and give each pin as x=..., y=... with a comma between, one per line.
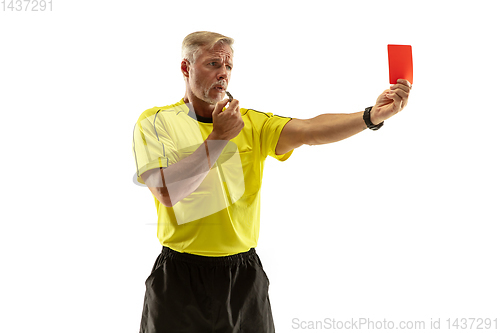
x=213, y=63
x=228, y=68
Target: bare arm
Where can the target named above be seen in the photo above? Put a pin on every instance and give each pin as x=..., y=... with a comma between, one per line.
x=328, y=128
x=172, y=184
x=325, y=128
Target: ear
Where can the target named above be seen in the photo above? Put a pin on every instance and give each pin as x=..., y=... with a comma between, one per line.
x=185, y=65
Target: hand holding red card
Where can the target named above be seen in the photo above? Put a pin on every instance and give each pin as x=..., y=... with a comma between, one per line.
x=400, y=63
x=394, y=99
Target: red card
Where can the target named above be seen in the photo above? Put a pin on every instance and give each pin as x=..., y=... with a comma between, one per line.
x=400, y=63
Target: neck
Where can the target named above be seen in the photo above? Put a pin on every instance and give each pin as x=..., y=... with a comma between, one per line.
x=198, y=106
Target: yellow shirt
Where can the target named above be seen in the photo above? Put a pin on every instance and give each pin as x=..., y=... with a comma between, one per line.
x=222, y=217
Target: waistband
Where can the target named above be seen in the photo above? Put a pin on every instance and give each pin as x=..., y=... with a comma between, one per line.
x=205, y=260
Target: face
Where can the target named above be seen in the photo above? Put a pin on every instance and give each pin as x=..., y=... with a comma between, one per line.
x=209, y=76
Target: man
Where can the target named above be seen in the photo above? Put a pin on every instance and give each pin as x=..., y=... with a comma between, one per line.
x=202, y=158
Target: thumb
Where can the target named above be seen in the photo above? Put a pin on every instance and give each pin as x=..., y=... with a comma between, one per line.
x=219, y=106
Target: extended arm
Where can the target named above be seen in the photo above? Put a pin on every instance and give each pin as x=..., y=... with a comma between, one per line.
x=328, y=128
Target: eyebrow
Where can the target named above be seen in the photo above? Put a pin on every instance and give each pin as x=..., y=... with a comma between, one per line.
x=220, y=59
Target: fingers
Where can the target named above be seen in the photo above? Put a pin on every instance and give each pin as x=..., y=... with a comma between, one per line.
x=233, y=106
x=229, y=123
x=398, y=97
x=401, y=86
x=405, y=82
x=400, y=92
x=219, y=106
x=397, y=94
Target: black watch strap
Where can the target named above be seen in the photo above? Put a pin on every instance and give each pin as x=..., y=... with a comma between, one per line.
x=368, y=121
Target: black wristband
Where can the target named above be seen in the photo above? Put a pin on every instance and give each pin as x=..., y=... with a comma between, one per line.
x=368, y=121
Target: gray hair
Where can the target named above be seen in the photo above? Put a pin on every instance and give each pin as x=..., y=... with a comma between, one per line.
x=193, y=42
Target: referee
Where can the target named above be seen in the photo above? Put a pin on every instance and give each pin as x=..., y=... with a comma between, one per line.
x=202, y=158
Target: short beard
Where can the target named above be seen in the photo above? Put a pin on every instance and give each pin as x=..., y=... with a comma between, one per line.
x=212, y=101
x=207, y=99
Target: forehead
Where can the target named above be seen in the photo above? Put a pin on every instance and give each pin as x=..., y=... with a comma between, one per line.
x=218, y=51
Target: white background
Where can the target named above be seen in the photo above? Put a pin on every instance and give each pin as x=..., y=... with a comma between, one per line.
x=399, y=224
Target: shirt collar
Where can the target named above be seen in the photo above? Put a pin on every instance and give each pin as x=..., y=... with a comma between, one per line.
x=195, y=116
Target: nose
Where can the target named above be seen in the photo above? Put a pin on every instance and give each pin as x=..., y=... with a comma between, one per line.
x=223, y=73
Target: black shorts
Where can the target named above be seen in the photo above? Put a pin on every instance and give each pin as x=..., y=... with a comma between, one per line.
x=199, y=294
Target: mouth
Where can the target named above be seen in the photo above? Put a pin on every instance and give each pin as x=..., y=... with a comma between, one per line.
x=220, y=89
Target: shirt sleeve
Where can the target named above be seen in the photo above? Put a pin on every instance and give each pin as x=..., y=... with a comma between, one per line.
x=270, y=135
x=152, y=146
